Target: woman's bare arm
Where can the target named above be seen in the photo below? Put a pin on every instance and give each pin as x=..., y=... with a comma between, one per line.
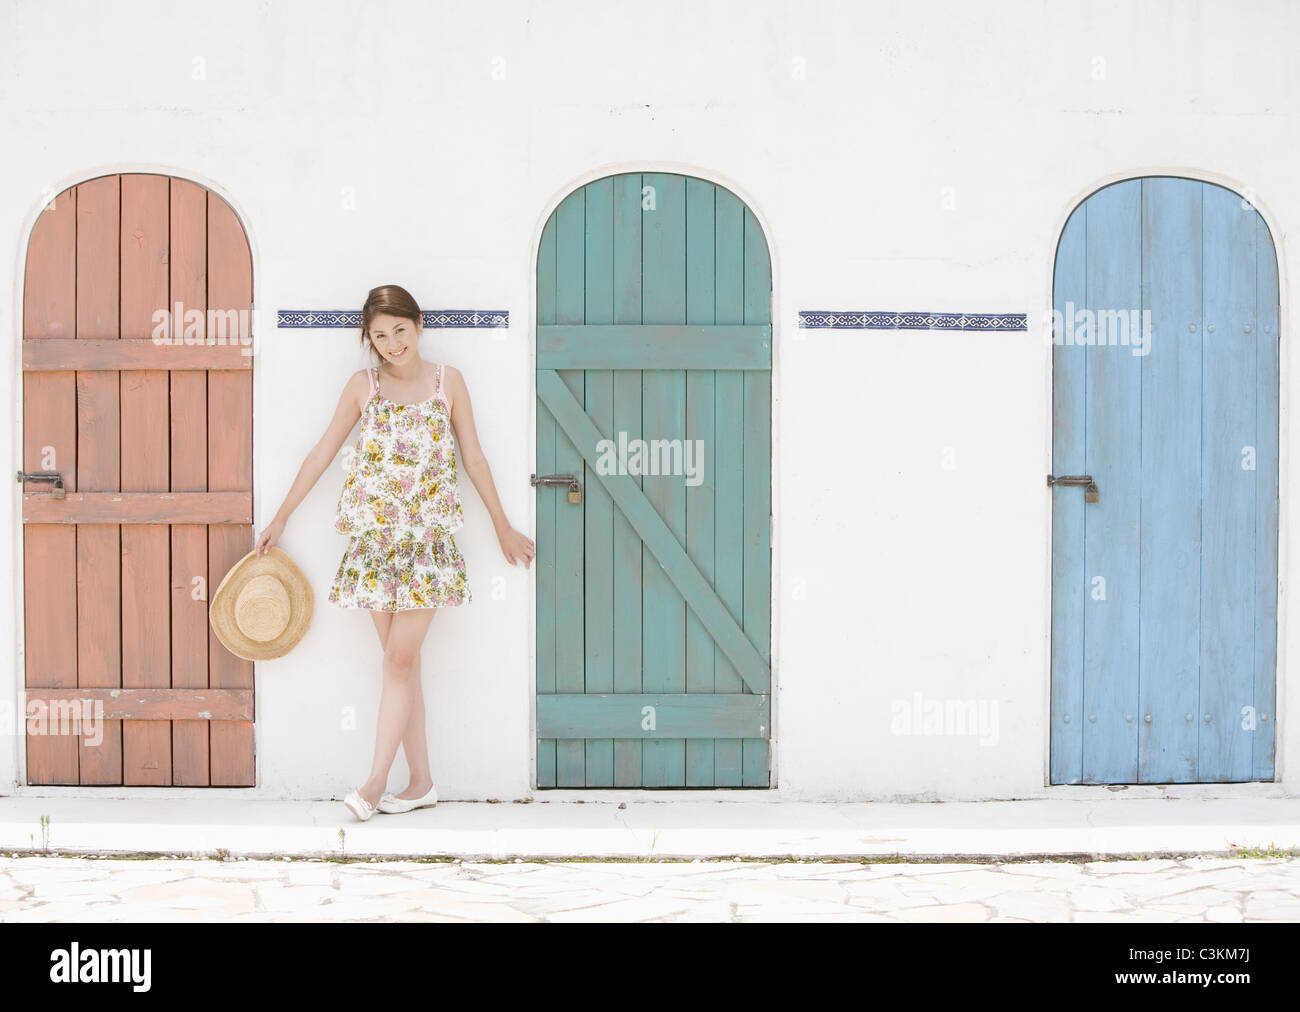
x=515, y=546
x=320, y=457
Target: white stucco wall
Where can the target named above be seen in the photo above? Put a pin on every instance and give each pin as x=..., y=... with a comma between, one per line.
x=919, y=156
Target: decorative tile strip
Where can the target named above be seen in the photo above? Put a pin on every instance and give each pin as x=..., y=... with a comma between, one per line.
x=866, y=320
x=312, y=318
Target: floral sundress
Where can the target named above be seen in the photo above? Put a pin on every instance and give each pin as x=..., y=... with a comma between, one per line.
x=401, y=505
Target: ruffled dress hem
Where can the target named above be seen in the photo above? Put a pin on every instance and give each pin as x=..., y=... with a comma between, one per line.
x=376, y=574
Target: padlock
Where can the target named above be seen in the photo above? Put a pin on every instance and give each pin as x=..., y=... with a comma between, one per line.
x=1090, y=493
x=58, y=492
x=575, y=493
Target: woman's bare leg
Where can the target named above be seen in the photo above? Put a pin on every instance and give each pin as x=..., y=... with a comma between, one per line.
x=415, y=743
x=401, y=666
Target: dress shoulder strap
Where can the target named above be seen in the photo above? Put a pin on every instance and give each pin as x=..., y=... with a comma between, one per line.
x=438, y=392
x=374, y=386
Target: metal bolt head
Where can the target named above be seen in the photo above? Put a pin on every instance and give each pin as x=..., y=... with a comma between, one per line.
x=1209, y=328
x=1067, y=718
x=1147, y=718
x=1190, y=717
x=1207, y=718
x=1192, y=329
x=1092, y=718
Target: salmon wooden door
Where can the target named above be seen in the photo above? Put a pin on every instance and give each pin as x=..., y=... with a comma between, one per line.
x=153, y=442
x=1164, y=589
x=654, y=356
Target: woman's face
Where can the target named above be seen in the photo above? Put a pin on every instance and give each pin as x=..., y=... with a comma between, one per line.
x=395, y=337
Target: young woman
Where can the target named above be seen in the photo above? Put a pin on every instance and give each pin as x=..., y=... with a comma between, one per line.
x=401, y=506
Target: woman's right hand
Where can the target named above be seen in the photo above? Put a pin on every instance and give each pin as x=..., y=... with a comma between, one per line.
x=269, y=536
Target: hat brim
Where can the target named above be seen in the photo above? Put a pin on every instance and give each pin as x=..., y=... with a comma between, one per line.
x=221, y=608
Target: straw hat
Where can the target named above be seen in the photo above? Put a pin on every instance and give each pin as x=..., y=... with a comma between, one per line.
x=262, y=607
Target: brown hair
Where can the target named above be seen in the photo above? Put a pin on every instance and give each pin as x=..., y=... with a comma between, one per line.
x=387, y=300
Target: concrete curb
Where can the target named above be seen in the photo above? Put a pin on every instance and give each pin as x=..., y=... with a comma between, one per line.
x=681, y=830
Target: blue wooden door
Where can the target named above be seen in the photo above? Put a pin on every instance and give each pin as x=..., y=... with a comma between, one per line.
x=654, y=391
x=1164, y=590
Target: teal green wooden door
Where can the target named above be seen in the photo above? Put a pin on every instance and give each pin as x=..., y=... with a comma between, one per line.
x=654, y=352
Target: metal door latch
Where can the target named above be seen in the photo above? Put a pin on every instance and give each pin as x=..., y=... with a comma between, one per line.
x=575, y=490
x=1090, y=492
x=54, y=476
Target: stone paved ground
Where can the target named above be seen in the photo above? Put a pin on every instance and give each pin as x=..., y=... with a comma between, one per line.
x=1189, y=889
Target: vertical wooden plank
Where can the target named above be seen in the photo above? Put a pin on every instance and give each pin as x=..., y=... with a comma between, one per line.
x=663, y=416
x=1266, y=502
x=758, y=487
x=1169, y=626
x=230, y=743
x=230, y=468
x=729, y=476
x=50, y=281
x=627, y=289
x=189, y=473
x=51, y=644
x=1069, y=583
x=98, y=642
x=1114, y=427
x=99, y=619
x=49, y=443
x=700, y=287
x=598, y=507
x=545, y=562
x=1227, y=489
x=570, y=754
x=146, y=662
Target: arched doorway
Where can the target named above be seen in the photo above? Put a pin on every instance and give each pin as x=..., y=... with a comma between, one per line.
x=1165, y=393
x=151, y=443
x=654, y=356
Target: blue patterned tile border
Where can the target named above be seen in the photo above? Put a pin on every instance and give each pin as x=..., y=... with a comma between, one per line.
x=868, y=320
x=312, y=318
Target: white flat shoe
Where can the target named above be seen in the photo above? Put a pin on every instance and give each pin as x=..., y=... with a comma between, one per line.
x=359, y=807
x=392, y=803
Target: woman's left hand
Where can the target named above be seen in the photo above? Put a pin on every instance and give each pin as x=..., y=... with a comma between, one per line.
x=517, y=547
